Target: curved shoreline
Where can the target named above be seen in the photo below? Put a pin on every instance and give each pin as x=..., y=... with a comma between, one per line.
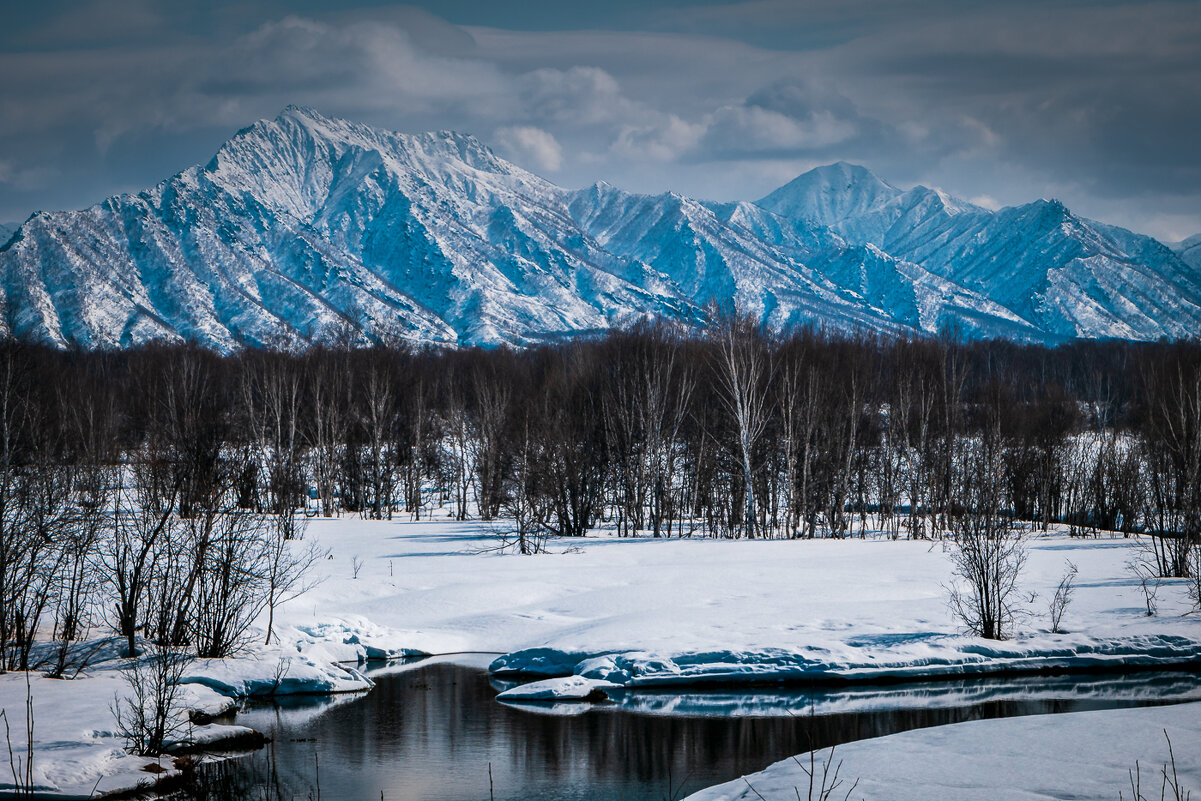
x=943, y=658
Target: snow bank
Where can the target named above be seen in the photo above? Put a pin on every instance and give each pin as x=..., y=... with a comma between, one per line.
x=537, y=662
x=274, y=672
x=76, y=746
x=569, y=688
x=892, y=657
x=349, y=639
x=1033, y=758
x=218, y=734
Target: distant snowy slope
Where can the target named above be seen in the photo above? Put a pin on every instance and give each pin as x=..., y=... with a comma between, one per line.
x=7, y=230
x=1190, y=250
x=303, y=226
x=1066, y=275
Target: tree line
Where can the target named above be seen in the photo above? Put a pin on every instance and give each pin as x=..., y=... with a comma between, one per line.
x=162, y=485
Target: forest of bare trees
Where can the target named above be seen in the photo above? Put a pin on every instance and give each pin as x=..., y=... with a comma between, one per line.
x=156, y=492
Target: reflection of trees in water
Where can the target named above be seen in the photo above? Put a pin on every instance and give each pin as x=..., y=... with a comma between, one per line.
x=1079, y=692
x=441, y=725
x=253, y=778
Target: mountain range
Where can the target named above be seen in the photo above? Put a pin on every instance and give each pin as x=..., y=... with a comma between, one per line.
x=306, y=227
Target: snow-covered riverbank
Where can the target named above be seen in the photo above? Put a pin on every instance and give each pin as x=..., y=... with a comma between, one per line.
x=1084, y=755
x=647, y=612
x=630, y=612
x=78, y=748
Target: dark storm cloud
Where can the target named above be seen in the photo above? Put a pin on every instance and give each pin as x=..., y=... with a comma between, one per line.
x=1096, y=102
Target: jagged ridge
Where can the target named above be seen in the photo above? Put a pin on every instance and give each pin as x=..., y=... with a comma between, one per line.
x=303, y=227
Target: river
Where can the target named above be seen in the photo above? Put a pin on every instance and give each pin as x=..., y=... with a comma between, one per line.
x=434, y=730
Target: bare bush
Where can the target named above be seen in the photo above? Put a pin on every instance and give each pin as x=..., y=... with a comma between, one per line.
x=1062, y=597
x=1194, y=581
x=287, y=566
x=231, y=587
x=989, y=553
x=143, y=516
x=21, y=766
x=989, y=565
x=149, y=718
x=823, y=783
x=1171, y=788
x=1149, y=582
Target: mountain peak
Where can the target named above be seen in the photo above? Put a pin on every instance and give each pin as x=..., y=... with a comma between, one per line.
x=315, y=123
x=444, y=143
x=470, y=149
x=830, y=194
x=296, y=111
x=1050, y=210
x=844, y=171
x=304, y=221
x=295, y=160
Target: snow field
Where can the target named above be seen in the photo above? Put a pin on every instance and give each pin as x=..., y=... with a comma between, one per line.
x=606, y=613
x=646, y=611
x=1080, y=755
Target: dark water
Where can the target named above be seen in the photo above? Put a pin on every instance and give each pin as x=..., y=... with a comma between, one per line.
x=432, y=731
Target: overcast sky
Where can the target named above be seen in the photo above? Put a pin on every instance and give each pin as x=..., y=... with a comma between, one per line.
x=1096, y=103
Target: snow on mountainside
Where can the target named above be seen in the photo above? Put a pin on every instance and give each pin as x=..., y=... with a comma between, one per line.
x=1190, y=250
x=7, y=230
x=1066, y=275
x=303, y=226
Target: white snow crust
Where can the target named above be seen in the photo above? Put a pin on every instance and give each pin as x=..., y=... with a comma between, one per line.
x=1081, y=755
x=620, y=614
x=302, y=222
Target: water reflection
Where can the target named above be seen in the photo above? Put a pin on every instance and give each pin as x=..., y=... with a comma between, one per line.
x=1081, y=692
x=432, y=732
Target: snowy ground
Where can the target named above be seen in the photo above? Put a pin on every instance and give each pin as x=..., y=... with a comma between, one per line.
x=1035, y=758
x=630, y=613
x=77, y=750
x=646, y=611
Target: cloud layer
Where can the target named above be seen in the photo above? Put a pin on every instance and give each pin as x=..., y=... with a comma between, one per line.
x=1096, y=102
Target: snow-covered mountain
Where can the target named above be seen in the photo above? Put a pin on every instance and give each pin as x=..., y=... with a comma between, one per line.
x=305, y=226
x=1065, y=275
x=1190, y=250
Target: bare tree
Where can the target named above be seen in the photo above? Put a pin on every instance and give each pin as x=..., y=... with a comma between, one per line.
x=287, y=567
x=526, y=501
x=742, y=369
x=329, y=403
x=1171, y=437
x=988, y=553
x=271, y=396
x=142, y=517
x=491, y=419
x=458, y=445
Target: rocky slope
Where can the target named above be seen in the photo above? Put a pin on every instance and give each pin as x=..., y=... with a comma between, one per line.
x=305, y=227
